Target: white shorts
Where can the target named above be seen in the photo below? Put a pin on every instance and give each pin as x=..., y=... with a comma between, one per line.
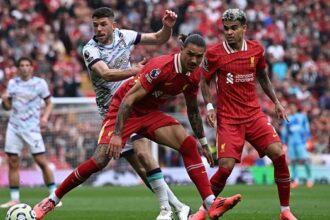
x=16, y=140
x=128, y=148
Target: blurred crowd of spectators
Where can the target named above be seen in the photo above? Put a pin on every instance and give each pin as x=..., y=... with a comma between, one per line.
x=295, y=34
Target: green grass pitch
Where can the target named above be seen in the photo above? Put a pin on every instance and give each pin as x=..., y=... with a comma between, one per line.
x=138, y=203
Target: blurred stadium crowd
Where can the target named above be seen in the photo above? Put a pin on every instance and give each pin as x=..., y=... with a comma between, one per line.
x=295, y=34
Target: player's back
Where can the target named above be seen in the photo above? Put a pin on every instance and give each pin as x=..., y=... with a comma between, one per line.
x=162, y=78
x=236, y=80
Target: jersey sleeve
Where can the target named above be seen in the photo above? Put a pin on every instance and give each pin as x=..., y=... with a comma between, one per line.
x=43, y=89
x=262, y=60
x=208, y=66
x=11, y=88
x=131, y=37
x=150, y=76
x=91, y=55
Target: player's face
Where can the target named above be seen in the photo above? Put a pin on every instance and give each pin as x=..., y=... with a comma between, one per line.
x=103, y=28
x=25, y=69
x=234, y=32
x=191, y=57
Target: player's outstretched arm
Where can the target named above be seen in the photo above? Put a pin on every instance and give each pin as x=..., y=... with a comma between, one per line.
x=197, y=126
x=113, y=75
x=136, y=93
x=161, y=36
x=266, y=85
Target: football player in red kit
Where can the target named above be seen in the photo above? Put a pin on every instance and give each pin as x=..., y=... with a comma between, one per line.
x=237, y=64
x=135, y=109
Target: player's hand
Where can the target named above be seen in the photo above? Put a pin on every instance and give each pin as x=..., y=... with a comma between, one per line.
x=280, y=112
x=211, y=118
x=114, y=147
x=169, y=18
x=43, y=122
x=138, y=67
x=5, y=96
x=206, y=153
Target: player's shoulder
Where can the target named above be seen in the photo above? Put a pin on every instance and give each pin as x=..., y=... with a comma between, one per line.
x=92, y=43
x=38, y=80
x=215, y=50
x=254, y=44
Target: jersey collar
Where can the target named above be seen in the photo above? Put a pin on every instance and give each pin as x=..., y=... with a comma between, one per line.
x=230, y=50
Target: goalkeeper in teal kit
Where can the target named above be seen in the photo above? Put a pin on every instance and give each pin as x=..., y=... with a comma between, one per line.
x=295, y=135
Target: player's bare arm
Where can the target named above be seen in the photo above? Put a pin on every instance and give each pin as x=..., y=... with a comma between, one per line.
x=47, y=111
x=211, y=118
x=136, y=93
x=163, y=34
x=197, y=125
x=113, y=75
x=266, y=85
x=6, y=101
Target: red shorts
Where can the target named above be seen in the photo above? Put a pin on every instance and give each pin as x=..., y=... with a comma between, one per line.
x=231, y=137
x=144, y=125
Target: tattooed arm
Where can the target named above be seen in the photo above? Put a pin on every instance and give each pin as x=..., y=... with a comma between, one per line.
x=136, y=93
x=197, y=126
x=211, y=117
x=266, y=85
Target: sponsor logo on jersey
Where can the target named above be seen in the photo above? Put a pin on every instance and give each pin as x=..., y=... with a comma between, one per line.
x=239, y=78
x=157, y=94
x=230, y=78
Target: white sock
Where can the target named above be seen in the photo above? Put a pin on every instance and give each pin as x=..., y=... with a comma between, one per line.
x=208, y=201
x=174, y=201
x=54, y=198
x=283, y=208
x=158, y=185
x=51, y=188
x=14, y=194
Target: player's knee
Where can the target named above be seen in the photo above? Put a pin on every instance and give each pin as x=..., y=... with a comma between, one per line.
x=227, y=163
x=274, y=150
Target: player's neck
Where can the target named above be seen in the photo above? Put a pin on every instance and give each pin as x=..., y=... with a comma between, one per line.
x=26, y=78
x=237, y=46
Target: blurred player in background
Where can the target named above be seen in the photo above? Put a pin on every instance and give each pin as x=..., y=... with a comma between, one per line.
x=295, y=134
x=236, y=64
x=25, y=94
x=107, y=57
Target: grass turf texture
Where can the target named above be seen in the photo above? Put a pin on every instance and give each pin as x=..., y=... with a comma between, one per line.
x=137, y=203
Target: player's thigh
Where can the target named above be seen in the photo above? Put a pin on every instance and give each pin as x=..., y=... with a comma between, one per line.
x=34, y=141
x=230, y=141
x=292, y=152
x=100, y=155
x=171, y=136
x=143, y=152
x=263, y=137
x=13, y=143
x=302, y=153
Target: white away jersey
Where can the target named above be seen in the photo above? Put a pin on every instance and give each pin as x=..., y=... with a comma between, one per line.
x=26, y=97
x=116, y=56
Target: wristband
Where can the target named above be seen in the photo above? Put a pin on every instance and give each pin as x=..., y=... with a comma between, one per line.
x=209, y=107
x=203, y=141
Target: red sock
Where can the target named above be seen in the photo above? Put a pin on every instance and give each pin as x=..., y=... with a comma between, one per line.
x=78, y=176
x=218, y=180
x=195, y=167
x=282, y=179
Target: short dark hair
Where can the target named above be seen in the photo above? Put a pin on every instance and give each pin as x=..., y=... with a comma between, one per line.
x=234, y=14
x=103, y=12
x=192, y=38
x=24, y=59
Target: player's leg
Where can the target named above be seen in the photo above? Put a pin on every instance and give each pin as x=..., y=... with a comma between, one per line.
x=13, y=147
x=176, y=137
x=302, y=155
x=293, y=159
x=230, y=142
x=13, y=176
x=77, y=177
x=262, y=135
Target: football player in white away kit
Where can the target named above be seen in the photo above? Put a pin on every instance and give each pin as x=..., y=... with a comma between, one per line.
x=107, y=57
x=24, y=96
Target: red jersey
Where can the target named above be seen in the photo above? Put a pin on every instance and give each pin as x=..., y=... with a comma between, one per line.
x=162, y=78
x=235, y=73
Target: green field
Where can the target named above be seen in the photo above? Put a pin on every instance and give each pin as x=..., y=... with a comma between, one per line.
x=119, y=203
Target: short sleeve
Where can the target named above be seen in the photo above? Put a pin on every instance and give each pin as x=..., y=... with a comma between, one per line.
x=131, y=37
x=208, y=66
x=151, y=75
x=91, y=55
x=262, y=60
x=43, y=89
x=11, y=87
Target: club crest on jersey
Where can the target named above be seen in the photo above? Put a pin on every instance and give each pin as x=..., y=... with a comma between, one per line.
x=252, y=61
x=152, y=75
